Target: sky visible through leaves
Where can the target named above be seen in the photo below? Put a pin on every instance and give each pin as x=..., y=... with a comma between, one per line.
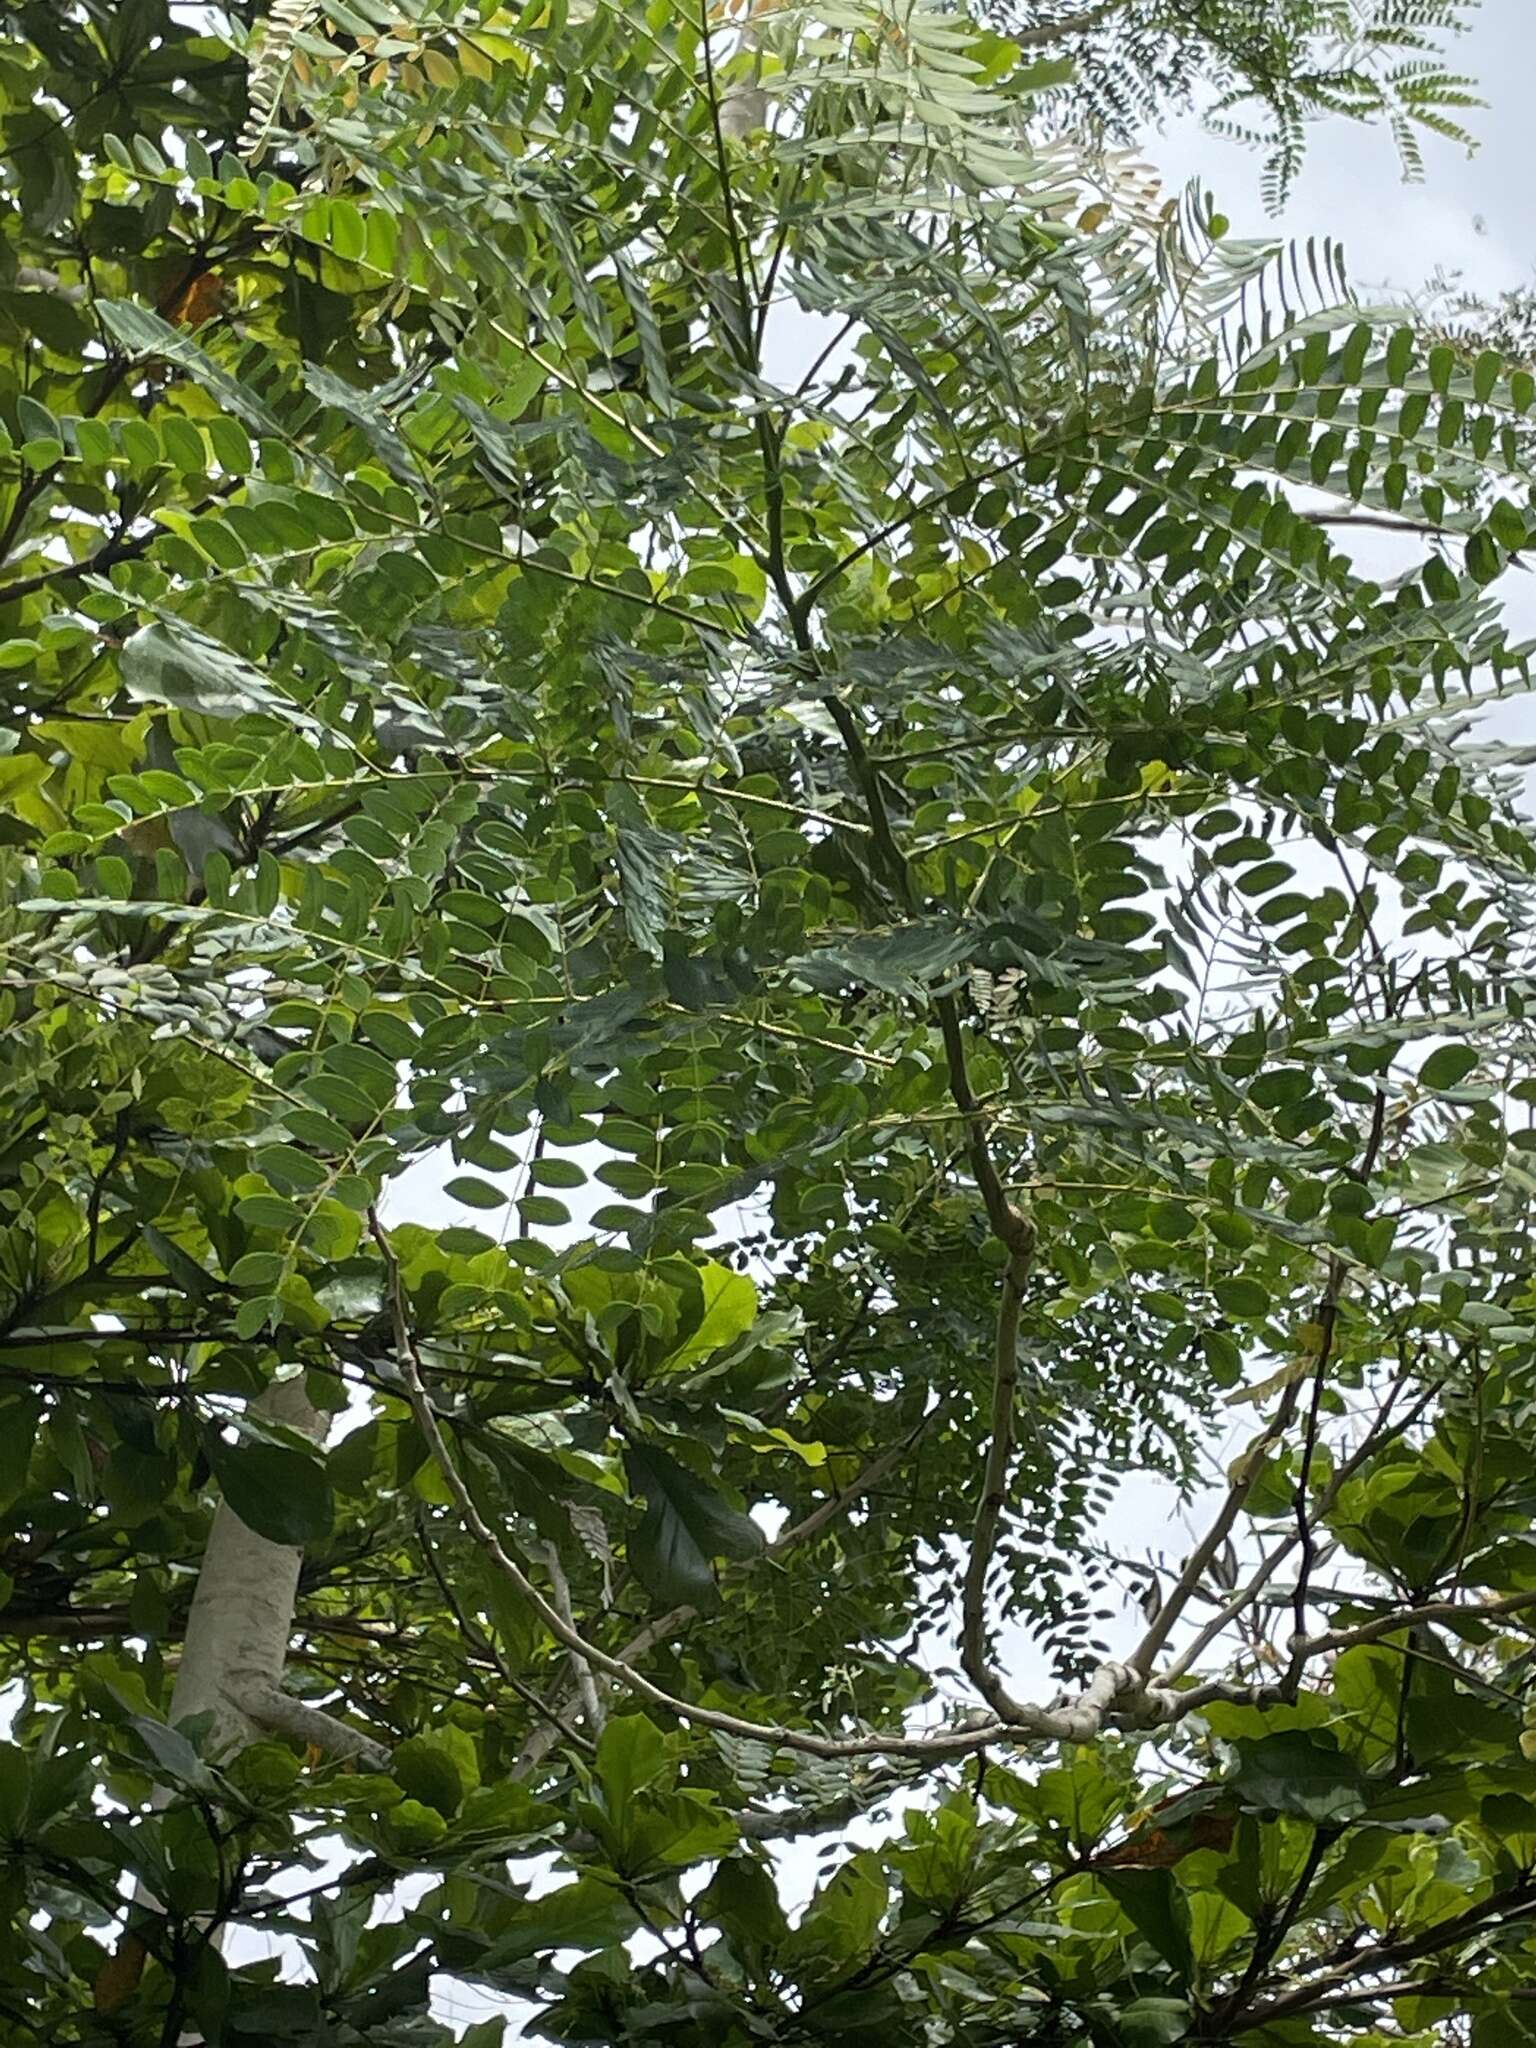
x=1474, y=217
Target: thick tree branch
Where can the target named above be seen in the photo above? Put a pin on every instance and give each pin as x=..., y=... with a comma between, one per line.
x=1446, y=1612
x=1177, y=1705
x=277, y=1711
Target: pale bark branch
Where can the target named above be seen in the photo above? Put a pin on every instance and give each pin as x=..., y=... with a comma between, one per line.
x=586, y=1684
x=1382, y=524
x=281, y=1714
x=1120, y=1692
x=241, y=1618
x=1248, y=1467
x=1050, y=32
x=1433, y=1611
x=30, y=279
x=1328, y=1317
x=1334, y=1641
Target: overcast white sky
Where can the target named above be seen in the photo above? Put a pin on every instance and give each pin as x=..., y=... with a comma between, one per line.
x=1471, y=213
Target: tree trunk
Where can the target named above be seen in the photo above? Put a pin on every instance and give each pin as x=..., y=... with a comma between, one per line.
x=241, y=1620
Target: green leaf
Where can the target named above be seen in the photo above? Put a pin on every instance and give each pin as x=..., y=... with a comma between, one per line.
x=742, y=1899
x=1245, y=1299
x=1448, y=1066
x=730, y=1309
x=439, y=1769
x=144, y=333
x=557, y=1173
x=15, y=1778
x=1152, y=1902
x=1153, y=2022
x=279, y=1493
x=175, y=1761
x=259, y=1271
x=585, y=1916
x=184, y=1270
x=1300, y=1772
x=685, y=1527
x=475, y=1193
x=842, y=1922
x=899, y=962
x=632, y=1753
x=164, y=665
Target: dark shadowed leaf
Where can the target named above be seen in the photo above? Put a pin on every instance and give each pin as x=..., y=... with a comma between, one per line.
x=685, y=1527
x=279, y=1493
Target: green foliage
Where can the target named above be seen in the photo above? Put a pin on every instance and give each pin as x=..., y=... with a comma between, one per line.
x=939, y=948
x=1262, y=74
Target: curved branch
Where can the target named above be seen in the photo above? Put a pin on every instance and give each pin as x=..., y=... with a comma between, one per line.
x=541, y=1740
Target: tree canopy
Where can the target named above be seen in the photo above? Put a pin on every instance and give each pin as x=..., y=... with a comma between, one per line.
x=721, y=641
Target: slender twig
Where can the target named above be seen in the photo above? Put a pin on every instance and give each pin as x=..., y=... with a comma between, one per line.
x=305, y=833
x=836, y=1504
x=741, y=259
x=994, y=1490
x=1417, y=527
x=1382, y=1432
x=1306, y=1539
x=676, y=1619
x=1431, y=1612
x=488, y=1647
x=586, y=1685
x=1508, y=1907
x=1270, y=1939
x=1244, y=1478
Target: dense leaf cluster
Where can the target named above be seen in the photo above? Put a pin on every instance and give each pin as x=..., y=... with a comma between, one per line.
x=695, y=646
